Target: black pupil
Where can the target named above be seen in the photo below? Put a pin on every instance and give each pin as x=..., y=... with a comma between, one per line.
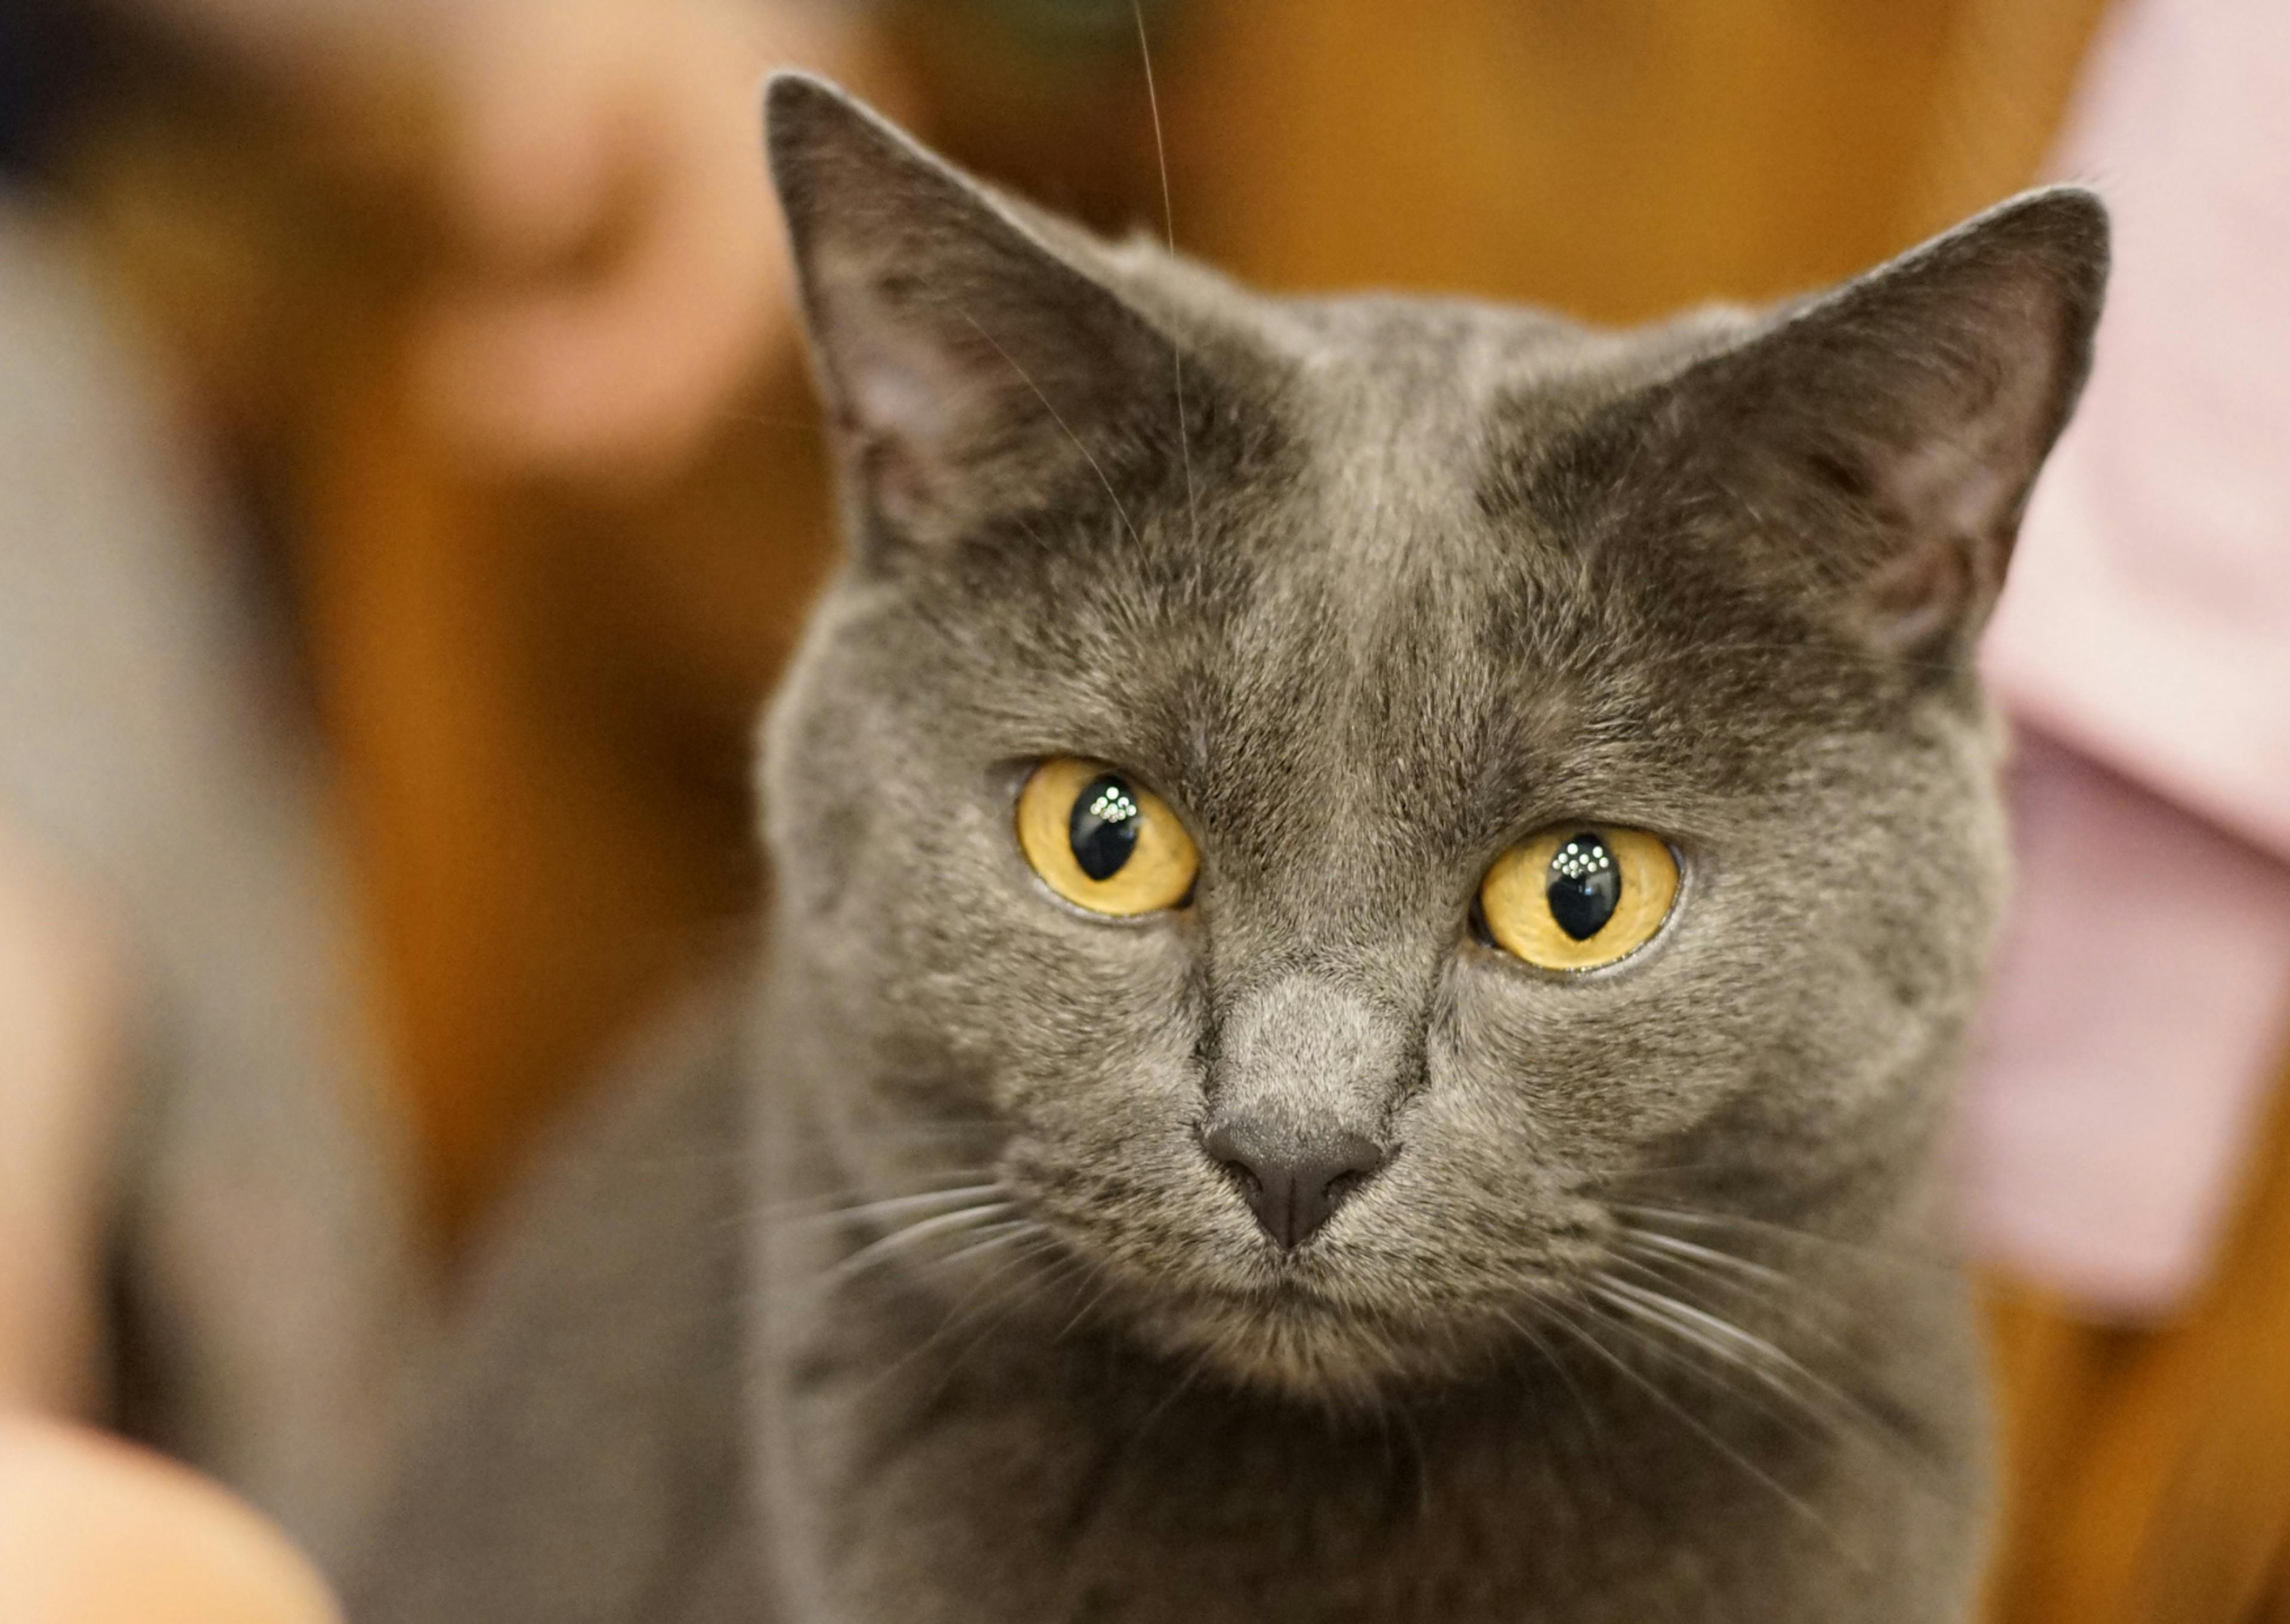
x=1585, y=885
x=1103, y=829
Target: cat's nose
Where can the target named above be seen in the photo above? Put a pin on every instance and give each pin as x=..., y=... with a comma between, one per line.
x=1292, y=1182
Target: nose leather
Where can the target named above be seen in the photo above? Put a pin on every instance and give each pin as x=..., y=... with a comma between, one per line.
x=1293, y=1183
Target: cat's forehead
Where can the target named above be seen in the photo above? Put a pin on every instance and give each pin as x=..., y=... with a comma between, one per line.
x=1380, y=596
x=1402, y=416
x=1356, y=600
x=1404, y=394
x=1450, y=354
x=1410, y=410
x=1348, y=580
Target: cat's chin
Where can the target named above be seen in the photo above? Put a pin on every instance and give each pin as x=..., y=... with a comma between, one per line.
x=1307, y=1351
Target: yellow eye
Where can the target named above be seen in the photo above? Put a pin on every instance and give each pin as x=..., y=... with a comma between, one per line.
x=1579, y=897
x=1103, y=842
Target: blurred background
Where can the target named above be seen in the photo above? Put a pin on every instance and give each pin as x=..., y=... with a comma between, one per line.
x=460, y=343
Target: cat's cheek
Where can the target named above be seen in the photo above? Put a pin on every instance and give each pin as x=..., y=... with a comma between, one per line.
x=1098, y=1027
x=1585, y=1066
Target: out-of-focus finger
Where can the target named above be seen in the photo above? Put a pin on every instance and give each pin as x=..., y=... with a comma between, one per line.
x=96, y=1531
x=59, y=1089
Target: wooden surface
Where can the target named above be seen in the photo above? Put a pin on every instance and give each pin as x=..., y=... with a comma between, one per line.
x=542, y=709
x=538, y=700
x=2151, y=1467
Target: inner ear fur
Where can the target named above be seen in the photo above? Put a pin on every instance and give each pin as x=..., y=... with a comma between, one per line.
x=968, y=367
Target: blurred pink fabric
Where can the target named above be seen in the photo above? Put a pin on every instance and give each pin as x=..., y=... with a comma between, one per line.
x=2141, y=1015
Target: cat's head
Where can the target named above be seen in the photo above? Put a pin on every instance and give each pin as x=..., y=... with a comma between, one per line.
x=1328, y=803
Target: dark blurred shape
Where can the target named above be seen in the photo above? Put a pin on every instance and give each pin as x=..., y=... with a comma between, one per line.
x=50, y=53
x=1072, y=25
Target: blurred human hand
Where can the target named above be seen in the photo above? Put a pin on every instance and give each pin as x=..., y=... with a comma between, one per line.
x=621, y=273
x=92, y=1531
x=59, y=1102
x=96, y=1531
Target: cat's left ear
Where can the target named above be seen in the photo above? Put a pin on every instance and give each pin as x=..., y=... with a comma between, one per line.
x=969, y=367
x=1900, y=420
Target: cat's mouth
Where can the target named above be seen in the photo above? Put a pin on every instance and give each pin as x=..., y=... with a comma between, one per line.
x=1296, y=1326
x=1366, y=1305
x=1335, y=1323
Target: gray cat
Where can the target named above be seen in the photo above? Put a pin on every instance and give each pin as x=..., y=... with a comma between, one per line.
x=1376, y=901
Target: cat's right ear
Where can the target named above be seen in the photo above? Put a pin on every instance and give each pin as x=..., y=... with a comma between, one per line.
x=967, y=368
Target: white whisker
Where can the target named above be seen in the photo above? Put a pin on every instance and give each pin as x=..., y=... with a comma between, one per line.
x=1169, y=225
x=870, y=1212
x=1806, y=1393
x=1718, y=1261
x=912, y=1235
x=1786, y=1234
x=1095, y=466
x=1622, y=1366
x=996, y=1234
x=1524, y=1326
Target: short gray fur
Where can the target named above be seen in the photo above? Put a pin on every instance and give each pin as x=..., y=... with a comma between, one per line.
x=1649, y=1315
x=585, y=1462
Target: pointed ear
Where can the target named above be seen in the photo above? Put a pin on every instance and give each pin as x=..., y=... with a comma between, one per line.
x=1900, y=420
x=968, y=368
